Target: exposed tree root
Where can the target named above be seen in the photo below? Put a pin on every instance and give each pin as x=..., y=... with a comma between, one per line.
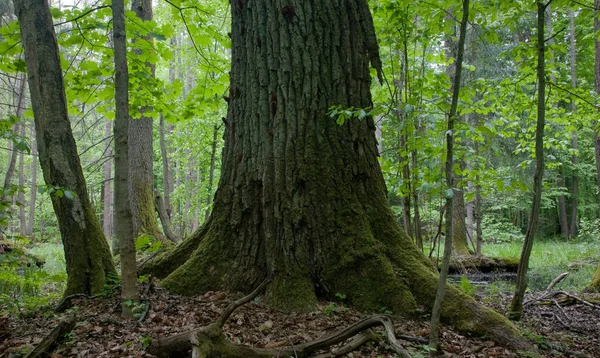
x=209, y=341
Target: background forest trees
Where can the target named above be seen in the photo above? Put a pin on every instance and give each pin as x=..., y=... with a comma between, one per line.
x=187, y=46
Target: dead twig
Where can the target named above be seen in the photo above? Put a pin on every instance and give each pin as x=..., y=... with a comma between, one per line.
x=547, y=293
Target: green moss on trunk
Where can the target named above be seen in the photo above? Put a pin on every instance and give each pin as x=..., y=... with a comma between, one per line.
x=301, y=199
x=595, y=285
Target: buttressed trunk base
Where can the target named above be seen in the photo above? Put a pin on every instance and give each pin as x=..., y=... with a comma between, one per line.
x=301, y=198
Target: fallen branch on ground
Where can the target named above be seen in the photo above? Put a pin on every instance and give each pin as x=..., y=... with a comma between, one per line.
x=46, y=345
x=547, y=292
x=209, y=341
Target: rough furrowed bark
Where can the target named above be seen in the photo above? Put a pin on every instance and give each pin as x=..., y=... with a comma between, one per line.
x=141, y=154
x=87, y=255
x=302, y=199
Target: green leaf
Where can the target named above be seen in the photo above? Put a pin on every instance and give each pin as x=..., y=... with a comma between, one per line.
x=449, y=193
x=56, y=13
x=23, y=147
x=69, y=194
x=362, y=114
x=142, y=242
x=500, y=184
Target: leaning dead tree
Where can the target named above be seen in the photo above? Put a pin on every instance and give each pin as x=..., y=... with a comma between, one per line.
x=210, y=341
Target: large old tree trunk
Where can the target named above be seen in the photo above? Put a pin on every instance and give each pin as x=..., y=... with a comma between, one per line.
x=300, y=198
x=86, y=250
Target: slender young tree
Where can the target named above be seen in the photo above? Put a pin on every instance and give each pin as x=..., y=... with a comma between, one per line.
x=167, y=179
x=516, y=306
x=123, y=217
x=18, y=100
x=575, y=157
x=449, y=171
x=108, y=195
x=87, y=255
x=595, y=285
x=21, y=195
x=33, y=193
x=300, y=198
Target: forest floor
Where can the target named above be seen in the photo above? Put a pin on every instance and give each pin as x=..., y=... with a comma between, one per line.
x=568, y=330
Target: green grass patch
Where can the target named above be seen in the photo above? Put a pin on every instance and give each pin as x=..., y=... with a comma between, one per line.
x=549, y=258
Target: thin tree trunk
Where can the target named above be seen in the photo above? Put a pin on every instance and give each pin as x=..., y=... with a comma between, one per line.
x=595, y=284
x=123, y=215
x=87, y=255
x=178, y=173
x=189, y=189
x=107, y=199
x=32, y=199
x=563, y=216
x=460, y=244
x=477, y=203
x=478, y=218
x=13, y=152
x=404, y=161
x=575, y=157
x=196, y=179
x=415, y=194
x=469, y=207
x=167, y=178
x=562, y=205
x=449, y=168
x=516, y=307
x=21, y=195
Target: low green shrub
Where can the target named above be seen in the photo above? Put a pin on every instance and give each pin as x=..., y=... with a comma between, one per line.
x=25, y=284
x=498, y=229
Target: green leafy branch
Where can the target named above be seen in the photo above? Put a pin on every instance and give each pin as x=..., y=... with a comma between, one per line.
x=342, y=114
